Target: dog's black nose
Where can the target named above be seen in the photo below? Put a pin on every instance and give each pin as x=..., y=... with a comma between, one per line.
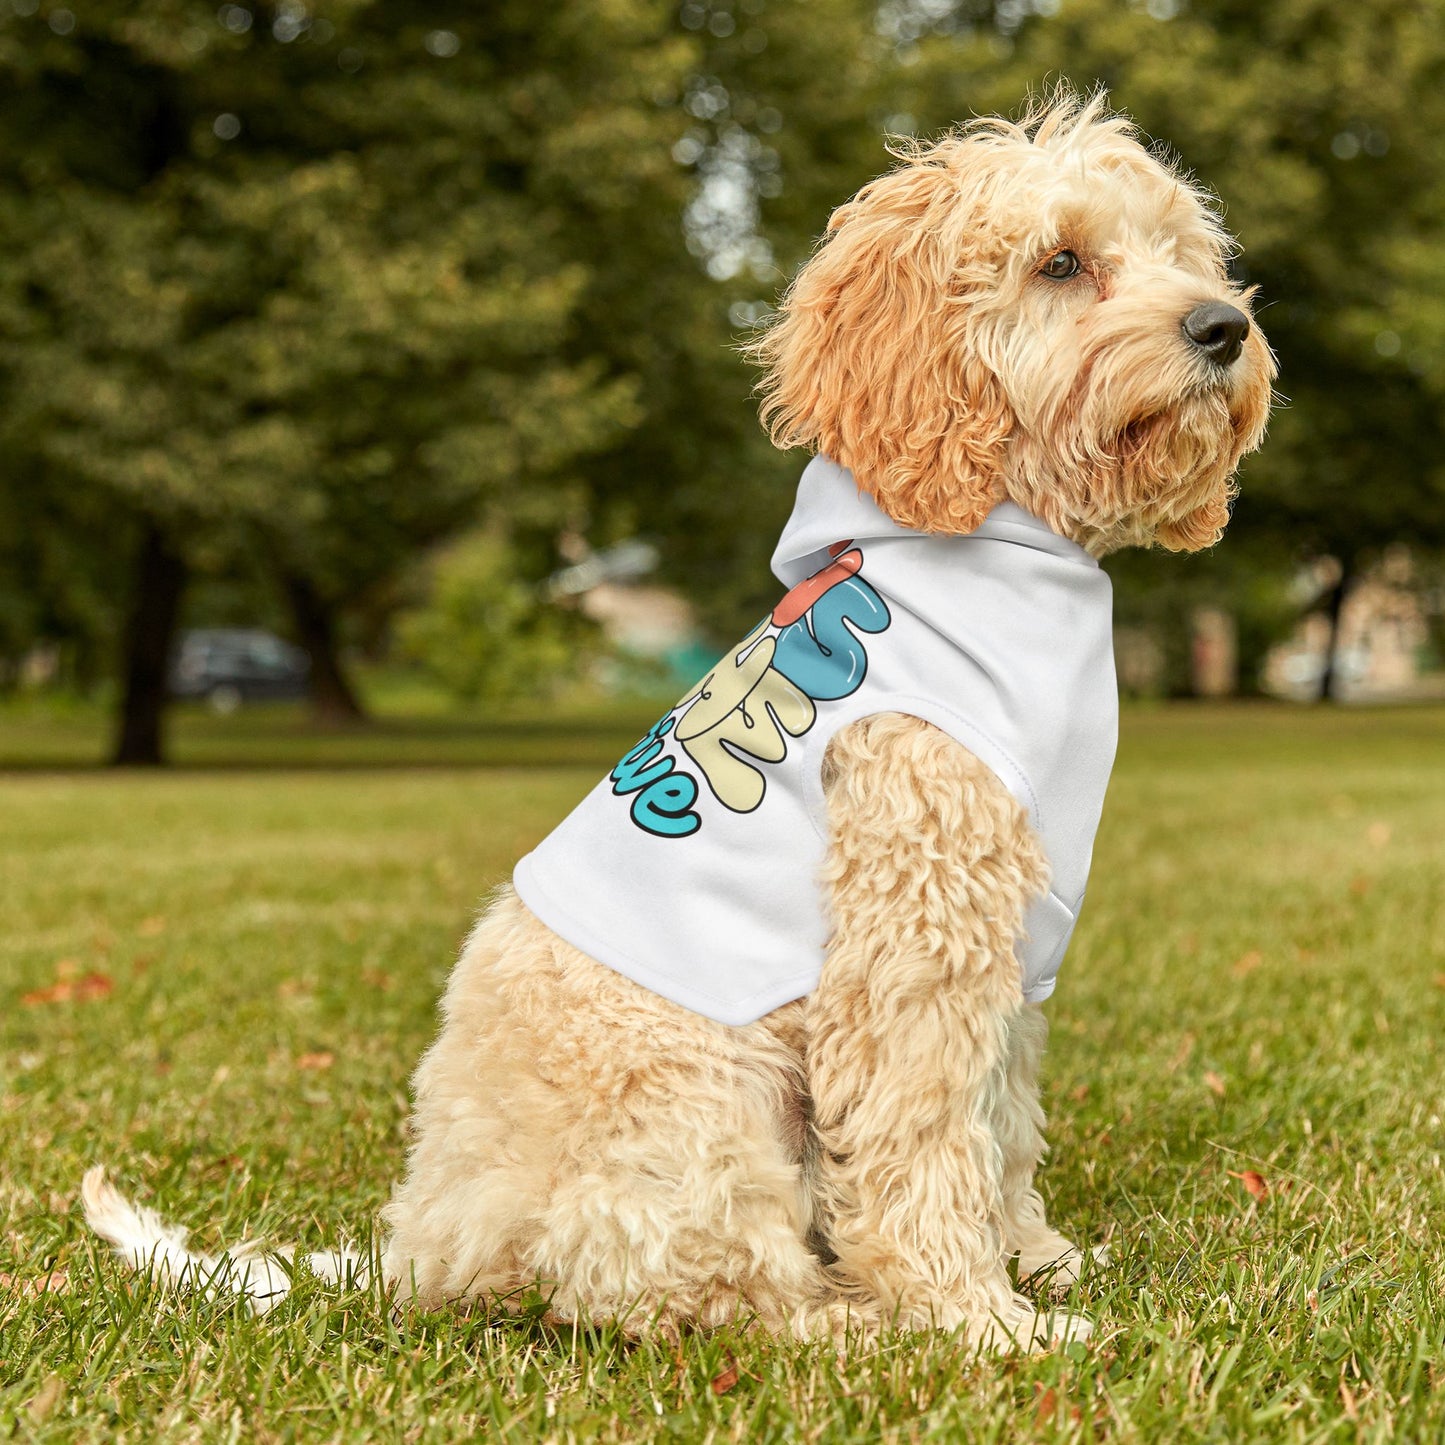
x=1218, y=330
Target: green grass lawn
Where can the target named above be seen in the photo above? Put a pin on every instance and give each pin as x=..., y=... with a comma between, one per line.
x=252, y=958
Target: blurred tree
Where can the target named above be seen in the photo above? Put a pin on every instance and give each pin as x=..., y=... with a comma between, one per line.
x=783, y=107
x=59, y=571
x=327, y=284
x=307, y=282
x=324, y=285
x=487, y=634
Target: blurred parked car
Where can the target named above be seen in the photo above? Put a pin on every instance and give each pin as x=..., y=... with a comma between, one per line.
x=230, y=665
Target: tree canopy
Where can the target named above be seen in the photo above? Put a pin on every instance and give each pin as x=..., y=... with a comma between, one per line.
x=305, y=289
x=322, y=290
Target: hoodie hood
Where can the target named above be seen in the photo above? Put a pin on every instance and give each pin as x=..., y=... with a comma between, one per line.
x=831, y=507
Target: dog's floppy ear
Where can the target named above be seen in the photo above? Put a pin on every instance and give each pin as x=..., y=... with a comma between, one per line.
x=873, y=361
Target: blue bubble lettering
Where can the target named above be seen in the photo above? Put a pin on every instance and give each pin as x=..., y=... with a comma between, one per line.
x=827, y=661
x=664, y=807
x=632, y=772
x=664, y=795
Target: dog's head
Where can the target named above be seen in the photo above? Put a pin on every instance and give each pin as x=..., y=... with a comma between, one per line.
x=1036, y=310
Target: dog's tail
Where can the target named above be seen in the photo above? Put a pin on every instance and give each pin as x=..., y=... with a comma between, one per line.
x=147, y=1243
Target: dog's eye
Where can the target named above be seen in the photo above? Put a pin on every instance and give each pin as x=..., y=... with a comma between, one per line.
x=1060, y=266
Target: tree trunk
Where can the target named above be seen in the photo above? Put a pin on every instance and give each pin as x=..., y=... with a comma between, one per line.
x=333, y=699
x=1334, y=608
x=160, y=578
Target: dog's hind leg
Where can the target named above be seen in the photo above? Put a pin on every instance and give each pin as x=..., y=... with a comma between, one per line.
x=930, y=866
x=577, y=1134
x=681, y=1199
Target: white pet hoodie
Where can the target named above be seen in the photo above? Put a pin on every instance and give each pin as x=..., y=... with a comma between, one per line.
x=693, y=868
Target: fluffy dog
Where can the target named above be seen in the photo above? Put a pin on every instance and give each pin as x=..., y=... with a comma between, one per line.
x=1034, y=313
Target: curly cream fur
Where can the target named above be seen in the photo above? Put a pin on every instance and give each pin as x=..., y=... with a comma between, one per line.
x=865, y=1156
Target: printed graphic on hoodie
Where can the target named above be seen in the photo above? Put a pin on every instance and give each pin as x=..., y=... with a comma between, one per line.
x=739, y=718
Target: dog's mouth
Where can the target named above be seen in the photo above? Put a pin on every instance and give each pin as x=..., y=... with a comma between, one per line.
x=1138, y=434
x=1177, y=455
x=1179, y=426
x=1220, y=407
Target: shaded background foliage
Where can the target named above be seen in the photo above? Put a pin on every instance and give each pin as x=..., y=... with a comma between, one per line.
x=292, y=294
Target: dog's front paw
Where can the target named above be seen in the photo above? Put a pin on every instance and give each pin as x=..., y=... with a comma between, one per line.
x=1023, y=1326
x=1058, y=1269
x=1059, y=1328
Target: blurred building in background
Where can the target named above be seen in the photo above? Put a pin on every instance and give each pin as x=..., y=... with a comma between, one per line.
x=1383, y=650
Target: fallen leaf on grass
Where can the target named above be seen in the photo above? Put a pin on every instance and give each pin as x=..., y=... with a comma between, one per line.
x=1255, y=1184
x=1079, y=1094
x=1181, y=1054
x=322, y=1059
x=1047, y=1404
x=56, y=1282
x=1247, y=963
x=1046, y=1407
x=1378, y=834
x=45, y=1399
x=151, y=927
x=377, y=978
x=1347, y=1399
x=724, y=1381
x=1440, y=980
x=1214, y=1083
x=66, y=990
x=1360, y=885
